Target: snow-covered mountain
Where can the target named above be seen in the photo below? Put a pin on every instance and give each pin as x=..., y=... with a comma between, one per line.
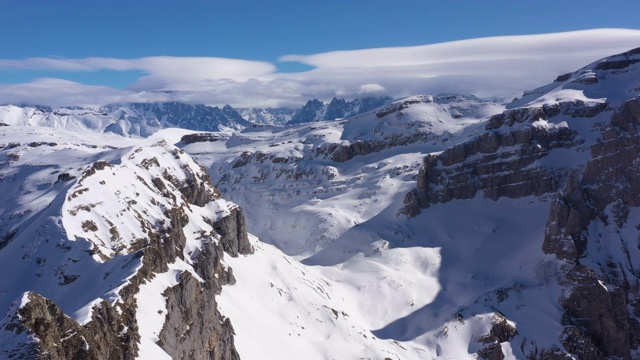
x=113, y=245
x=267, y=116
x=431, y=227
x=313, y=110
x=144, y=119
x=140, y=120
x=552, y=183
x=316, y=110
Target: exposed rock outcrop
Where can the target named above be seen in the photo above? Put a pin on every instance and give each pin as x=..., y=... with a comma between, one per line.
x=500, y=332
x=500, y=162
x=109, y=335
x=316, y=110
x=347, y=151
x=600, y=300
x=600, y=311
x=234, y=233
x=613, y=172
x=200, y=137
x=621, y=61
x=592, y=205
x=569, y=217
x=193, y=327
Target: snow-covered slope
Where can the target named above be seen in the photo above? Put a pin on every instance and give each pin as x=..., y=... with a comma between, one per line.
x=72, y=119
x=613, y=79
x=104, y=233
x=307, y=311
x=305, y=185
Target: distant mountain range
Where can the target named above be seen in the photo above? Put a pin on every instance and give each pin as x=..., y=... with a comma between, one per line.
x=315, y=110
x=144, y=119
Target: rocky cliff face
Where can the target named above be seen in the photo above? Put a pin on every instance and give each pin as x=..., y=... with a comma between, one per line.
x=602, y=198
x=53, y=335
x=582, y=153
x=504, y=161
x=171, y=228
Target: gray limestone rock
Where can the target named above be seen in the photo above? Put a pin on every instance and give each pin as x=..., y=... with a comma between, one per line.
x=193, y=329
x=109, y=334
x=233, y=230
x=495, y=163
x=500, y=332
x=600, y=301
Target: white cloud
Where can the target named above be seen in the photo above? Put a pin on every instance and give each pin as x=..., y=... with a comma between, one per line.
x=485, y=66
x=162, y=72
x=57, y=92
x=187, y=74
x=496, y=66
x=191, y=67
x=371, y=88
x=576, y=43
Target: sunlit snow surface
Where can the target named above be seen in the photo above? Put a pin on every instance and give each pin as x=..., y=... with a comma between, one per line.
x=300, y=200
x=69, y=227
x=337, y=272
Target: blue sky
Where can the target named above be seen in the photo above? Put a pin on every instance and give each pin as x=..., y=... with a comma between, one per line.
x=265, y=30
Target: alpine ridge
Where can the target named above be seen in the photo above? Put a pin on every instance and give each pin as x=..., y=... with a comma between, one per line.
x=115, y=257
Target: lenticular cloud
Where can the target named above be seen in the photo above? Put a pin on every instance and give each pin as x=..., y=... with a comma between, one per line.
x=496, y=66
x=485, y=66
